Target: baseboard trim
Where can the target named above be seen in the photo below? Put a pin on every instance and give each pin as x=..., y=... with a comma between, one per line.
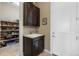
x=47, y=51
x=50, y=53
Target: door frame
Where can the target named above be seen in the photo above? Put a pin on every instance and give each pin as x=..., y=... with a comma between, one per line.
x=51, y=46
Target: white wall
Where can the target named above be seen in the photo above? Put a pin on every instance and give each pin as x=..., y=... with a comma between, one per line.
x=0, y=10
x=45, y=29
x=9, y=11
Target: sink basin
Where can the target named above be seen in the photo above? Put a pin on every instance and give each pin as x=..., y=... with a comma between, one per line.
x=33, y=35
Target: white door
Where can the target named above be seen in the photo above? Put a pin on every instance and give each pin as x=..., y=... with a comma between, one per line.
x=77, y=29
x=63, y=15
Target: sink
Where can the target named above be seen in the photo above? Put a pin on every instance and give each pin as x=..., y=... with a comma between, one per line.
x=33, y=35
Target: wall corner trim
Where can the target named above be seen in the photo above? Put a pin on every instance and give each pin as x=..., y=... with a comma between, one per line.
x=47, y=51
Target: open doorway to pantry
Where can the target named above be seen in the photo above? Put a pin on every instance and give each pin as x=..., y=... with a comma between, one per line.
x=9, y=28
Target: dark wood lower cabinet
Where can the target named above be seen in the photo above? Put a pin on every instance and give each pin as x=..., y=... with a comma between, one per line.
x=33, y=46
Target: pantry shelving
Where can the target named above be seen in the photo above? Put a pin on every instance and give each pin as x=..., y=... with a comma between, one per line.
x=9, y=31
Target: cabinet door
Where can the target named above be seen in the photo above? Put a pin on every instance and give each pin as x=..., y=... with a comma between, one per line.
x=36, y=16
x=24, y=14
x=27, y=46
x=41, y=44
x=28, y=13
x=35, y=46
x=38, y=45
x=62, y=28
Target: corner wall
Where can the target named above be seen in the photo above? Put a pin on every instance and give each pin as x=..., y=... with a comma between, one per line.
x=45, y=29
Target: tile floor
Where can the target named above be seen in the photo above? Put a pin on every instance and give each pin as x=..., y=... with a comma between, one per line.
x=12, y=50
x=9, y=50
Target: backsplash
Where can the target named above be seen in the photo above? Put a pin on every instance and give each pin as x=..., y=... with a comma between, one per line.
x=30, y=30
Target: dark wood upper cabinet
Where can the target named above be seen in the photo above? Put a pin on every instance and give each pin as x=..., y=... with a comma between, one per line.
x=31, y=14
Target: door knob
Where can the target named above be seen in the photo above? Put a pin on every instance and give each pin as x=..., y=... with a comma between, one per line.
x=76, y=38
x=53, y=32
